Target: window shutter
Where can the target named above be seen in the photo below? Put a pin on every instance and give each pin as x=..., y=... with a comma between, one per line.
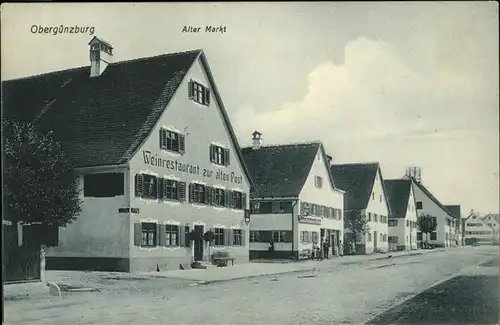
x=158, y=231
x=159, y=187
x=207, y=96
x=227, y=197
x=191, y=192
x=161, y=235
x=302, y=208
x=226, y=157
x=165, y=186
x=162, y=132
x=231, y=236
x=181, y=190
x=186, y=238
x=138, y=184
x=182, y=236
x=182, y=143
x=226, y=237
x=137, y=234
x=243, y=201
x=211, y=152
x=207, y=192
x=243, y=237
x=191, y=89
x=212, y=196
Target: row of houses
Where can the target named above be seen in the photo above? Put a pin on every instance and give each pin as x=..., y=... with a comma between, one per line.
x=159, y=166
x=481, y=230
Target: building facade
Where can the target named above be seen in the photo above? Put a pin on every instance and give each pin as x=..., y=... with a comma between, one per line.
x=477, y=231
x=365, y=194
x=403, y=221
x=427, y=204
x=295, y=203
x=159, y=167
x=456, y=210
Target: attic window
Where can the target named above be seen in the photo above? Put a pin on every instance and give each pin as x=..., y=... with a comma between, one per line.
x=172, y=141
x=318, y=181
x=199, y=93
x=419, y=205
x=219, y=155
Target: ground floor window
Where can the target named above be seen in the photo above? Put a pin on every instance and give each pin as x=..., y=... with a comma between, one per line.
x=237, y=235
x=419, y=236
x=171, y=235
x=254, y=236
x=279, y=236
x=393, y=239
x=369, y=236
x=148, y=234
x=433, y=235
x=219, y=237
x=304, y=237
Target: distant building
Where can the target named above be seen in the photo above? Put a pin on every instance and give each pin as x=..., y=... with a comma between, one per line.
x=365, y=194
x=403, y=220
x=477, y=230
x=295, y=202
x=456, y=211
x=158, y=161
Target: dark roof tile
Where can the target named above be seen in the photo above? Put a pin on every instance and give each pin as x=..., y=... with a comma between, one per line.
x=398, y=194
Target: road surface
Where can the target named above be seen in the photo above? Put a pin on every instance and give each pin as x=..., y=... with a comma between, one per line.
x=367, y=292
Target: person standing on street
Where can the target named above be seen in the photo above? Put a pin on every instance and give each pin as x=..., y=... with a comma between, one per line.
x=326, y=246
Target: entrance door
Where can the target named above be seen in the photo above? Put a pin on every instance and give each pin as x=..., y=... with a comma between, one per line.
x=198, y=244
x=375, y=239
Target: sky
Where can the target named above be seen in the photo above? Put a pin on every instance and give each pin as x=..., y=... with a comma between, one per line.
x=401, y=83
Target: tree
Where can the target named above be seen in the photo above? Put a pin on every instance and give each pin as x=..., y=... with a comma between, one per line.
x=356, y=223
x=427, y=224
x=40, y=185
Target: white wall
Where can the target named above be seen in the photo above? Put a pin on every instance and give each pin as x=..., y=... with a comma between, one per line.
x=202, y=126
x=99, y=230
x=377, y=204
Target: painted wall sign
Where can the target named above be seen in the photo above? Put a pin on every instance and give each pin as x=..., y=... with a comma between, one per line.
x=152, y=159
x=309, y=220
x=125, y=210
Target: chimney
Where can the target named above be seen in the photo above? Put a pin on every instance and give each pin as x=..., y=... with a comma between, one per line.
x=256, y=140
x=101, y=54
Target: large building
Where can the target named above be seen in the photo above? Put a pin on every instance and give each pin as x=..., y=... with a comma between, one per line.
x=480, y=230
x=427, y=204
x=365, y=194
x=403, y=220
x=295, y=202
x=158, y=161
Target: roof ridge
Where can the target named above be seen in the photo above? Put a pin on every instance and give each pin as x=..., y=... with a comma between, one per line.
x=114, y=63
x=358, y=163
x=289, y=144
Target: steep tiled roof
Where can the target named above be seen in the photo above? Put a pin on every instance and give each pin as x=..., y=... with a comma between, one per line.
x=433, y=198
x=100, y=120
x=398, y=194
x=495, y=217
x=357, y=180
x=104, y=120
x=281, y=170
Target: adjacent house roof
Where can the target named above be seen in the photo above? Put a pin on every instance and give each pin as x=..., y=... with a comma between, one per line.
x=495, y=217
x=455, y=210
x=104, y=120
x=398, y=194
x=357, y=180
x=433, y=198
x=282, y=170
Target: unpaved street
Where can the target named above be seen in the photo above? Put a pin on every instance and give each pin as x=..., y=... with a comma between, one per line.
x=341, y=294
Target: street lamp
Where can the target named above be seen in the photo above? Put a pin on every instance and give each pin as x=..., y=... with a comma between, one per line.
x=255, y=207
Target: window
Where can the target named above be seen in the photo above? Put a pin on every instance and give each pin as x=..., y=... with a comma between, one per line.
x=219, y=236
x=375, y=217
x=148, y=234
x=174, y=190
x=315, y=237
x=282, y=207
x=305, y=237
x=254, y=236
x=373, y=196
x=219, y=155
x=419, y=236
x=198, y=193
x=419, y=205
x=321, y=211
x=433, y=235
x=393, y=222
x=369, y=216
x=103, y=185
x=237, y=235
x=145, y=186
x=305, y=207
x=172, y=141
x=171, y=235
x=314, y=209
x=187, y=242
x=369, y=236
x=380, y=197
x=239, y=200
x=318, y=181
x=407, y=223
x=219, y=196
x=199, y=93
x=393, y=239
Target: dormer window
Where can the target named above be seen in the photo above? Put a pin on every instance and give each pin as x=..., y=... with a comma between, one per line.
x=199, y=93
